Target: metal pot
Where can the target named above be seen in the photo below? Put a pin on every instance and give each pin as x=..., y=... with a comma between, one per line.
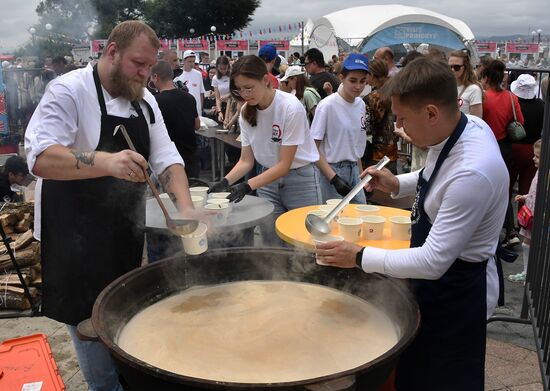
x=142, y=287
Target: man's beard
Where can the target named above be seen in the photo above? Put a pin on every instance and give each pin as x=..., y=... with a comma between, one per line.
x=124, y=86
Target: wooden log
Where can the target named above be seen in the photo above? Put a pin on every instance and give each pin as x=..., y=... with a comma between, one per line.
x=27, y=257
x=13, y=280
x=23, y=225
x=20, y=241
x=14, y=298
x=7, y=219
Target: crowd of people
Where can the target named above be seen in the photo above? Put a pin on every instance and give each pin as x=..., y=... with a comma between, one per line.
x=308, y=133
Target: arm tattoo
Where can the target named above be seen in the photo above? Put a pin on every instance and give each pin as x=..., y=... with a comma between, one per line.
x=84, y=158
x=165, y=180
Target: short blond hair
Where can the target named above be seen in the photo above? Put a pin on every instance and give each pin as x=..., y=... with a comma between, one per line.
x=124, y=34
x=537, y=144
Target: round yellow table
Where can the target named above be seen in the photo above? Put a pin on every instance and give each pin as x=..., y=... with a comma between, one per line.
x=291, y=227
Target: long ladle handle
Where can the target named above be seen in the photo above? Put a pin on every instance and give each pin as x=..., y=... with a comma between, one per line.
x=355, y=190
x=167, y=217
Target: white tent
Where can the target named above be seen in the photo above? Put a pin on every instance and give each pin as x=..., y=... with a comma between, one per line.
x=354, y=27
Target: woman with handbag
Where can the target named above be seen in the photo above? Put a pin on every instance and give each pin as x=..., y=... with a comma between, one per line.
x=502, y=113
x=525, y=215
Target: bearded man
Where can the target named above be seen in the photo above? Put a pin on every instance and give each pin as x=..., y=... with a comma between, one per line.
x=90, y=201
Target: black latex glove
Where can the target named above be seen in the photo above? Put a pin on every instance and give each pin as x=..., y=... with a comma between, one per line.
x=341, y=186
x=219, y=187
x=239, y=191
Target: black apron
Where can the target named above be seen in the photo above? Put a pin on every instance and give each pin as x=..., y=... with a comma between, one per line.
x=448, y=353
x=92, y=230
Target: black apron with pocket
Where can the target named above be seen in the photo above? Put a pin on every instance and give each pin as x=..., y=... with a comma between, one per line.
x=92, y=230
x=448, y=353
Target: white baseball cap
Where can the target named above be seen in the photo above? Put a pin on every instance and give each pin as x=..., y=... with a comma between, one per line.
x=189, y=53
x=294, y=70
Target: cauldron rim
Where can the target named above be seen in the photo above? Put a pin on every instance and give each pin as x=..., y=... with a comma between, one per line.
x=98, y=322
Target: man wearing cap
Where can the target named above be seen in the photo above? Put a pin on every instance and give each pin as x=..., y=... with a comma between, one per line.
x=15, y=172
x=532, y=108
x=192, y=79
x=268, y=53
x=339, y=131
x=318, y=75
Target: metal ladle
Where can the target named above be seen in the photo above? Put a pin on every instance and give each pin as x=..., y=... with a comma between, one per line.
x=177, y=226
x=320, y=226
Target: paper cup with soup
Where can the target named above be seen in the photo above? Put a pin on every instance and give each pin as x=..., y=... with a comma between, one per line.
x=198, y=201
x=222, y=211
x=365, y=210
x=196, y=242
x=400, y=227
x=201, y=191
x=350, y=228
x=220, y=195
x=219, y=201
x=373, y=227
x=325, y=239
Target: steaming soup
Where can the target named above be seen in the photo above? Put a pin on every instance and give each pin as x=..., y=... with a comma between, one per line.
x=259, y=332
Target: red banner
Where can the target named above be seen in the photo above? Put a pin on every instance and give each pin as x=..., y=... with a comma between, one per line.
x=232, y=44
x=164, y=45
x=279, y=45
x=193, y=44
x=528, y=48
x=486, y=47
x=98, y=45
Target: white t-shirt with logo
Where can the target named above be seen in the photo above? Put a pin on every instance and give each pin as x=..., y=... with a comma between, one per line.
x=471, y=96
x=284, y=122
x=221, y=84
x=193, y=81
x=340, y=126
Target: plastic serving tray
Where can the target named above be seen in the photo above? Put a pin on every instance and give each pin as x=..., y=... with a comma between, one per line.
x=27, y=364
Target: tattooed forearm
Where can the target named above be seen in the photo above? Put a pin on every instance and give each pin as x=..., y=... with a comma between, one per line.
x=165, y=180
x=86, y=158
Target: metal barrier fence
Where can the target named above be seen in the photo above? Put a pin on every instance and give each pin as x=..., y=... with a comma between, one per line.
x=537, y=287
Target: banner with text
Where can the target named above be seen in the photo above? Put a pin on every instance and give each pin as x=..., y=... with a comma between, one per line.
x=527, y=48
x=232, y=44
x=486, y=47
x=279, y=45
x=98, y=45
x=193, y=44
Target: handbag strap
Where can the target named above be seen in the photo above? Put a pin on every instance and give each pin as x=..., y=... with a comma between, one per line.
x=513, y=107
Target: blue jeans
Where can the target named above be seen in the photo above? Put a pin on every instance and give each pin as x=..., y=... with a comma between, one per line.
x=300, y=187
x=96, y=364
x=348, y=171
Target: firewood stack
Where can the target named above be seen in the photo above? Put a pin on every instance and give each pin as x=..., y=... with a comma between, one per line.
x=17, y=221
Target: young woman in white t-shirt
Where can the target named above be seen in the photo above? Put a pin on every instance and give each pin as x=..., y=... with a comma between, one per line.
x=275, y=133
x=470, y=96
x=220, y=82
x=339, y=131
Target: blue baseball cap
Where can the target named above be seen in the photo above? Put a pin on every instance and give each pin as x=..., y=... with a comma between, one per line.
x=356, y=62
x=268, y=52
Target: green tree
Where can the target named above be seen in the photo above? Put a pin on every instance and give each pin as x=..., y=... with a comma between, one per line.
x=111, y=12
x=174, y=18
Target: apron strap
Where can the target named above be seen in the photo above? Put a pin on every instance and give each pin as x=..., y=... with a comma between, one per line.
x=99, y=90
x=137, y=108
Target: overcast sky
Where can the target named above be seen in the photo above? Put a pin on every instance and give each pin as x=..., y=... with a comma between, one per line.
x=485, y=17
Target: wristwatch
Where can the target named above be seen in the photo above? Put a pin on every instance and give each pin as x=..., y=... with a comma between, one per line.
x=359, y=258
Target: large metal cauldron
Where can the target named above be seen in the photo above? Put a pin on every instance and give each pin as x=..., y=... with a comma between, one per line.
x=136, y=290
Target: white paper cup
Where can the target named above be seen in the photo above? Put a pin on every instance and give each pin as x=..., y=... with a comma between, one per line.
x=400, y=228
x=373, y=227
x=350, y=228
x=333, y=201
x=365, y=210
x=325, y=239
x=201, y=191
x=222, y=212
x=196, y=243
x=219, y=201
x=198, y=201
x=223, y=194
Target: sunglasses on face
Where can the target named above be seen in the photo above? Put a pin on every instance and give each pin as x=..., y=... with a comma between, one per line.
x=456, y=68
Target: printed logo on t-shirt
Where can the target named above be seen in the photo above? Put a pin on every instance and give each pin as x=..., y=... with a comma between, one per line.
x=276, y=133
x=364, y=122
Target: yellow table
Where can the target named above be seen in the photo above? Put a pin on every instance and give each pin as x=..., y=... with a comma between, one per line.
x=291, y=227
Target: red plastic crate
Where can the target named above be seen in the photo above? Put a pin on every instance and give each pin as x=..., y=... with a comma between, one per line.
x=27, y=364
